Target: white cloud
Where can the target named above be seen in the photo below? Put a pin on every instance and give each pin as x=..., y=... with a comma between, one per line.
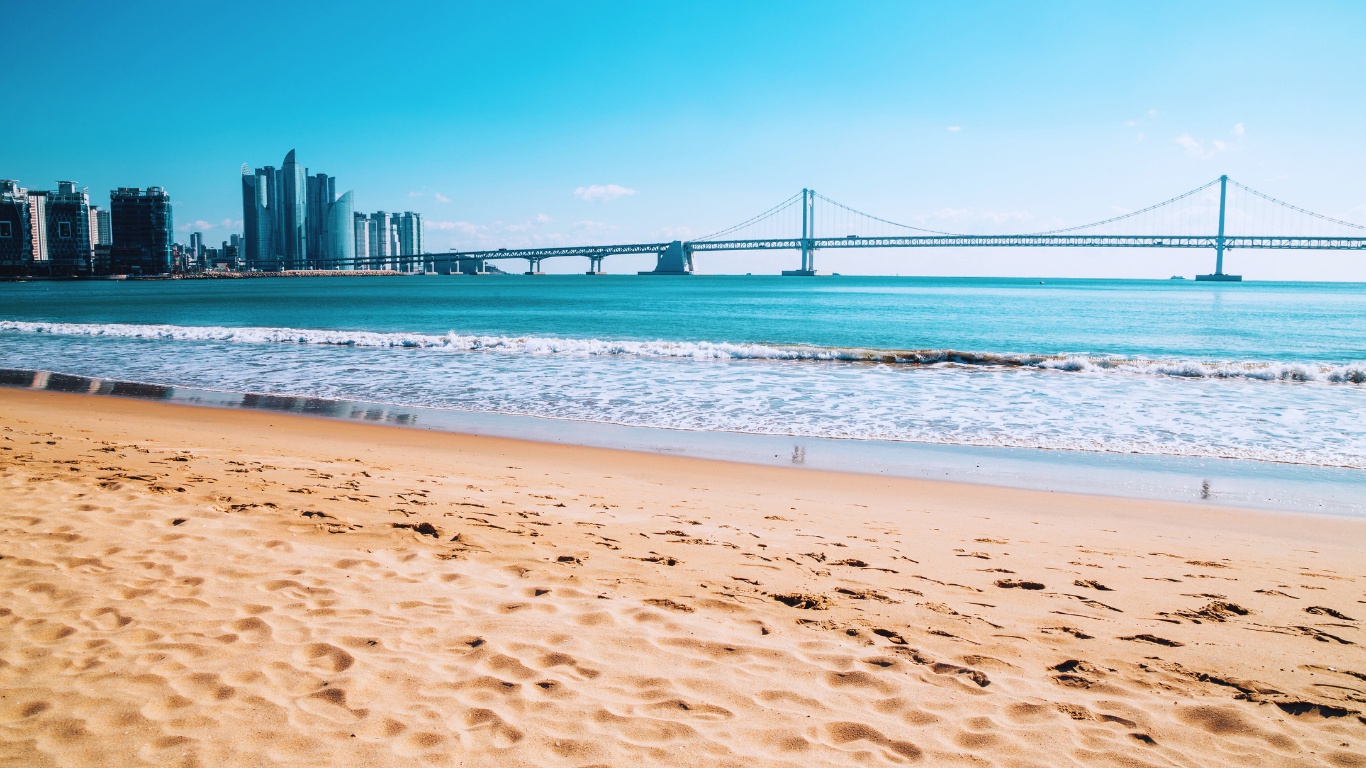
x=955, y=128
x=198, y=225
x=1130, y=123
x=1193, y=148
x=1141, y=137
x=416, y=194
x=602, y=193
x=1198, y=148
x=1152, y=113
x=463, y=227
x=541, y=218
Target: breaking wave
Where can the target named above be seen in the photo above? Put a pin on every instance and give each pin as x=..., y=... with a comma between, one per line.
x=1354, y=373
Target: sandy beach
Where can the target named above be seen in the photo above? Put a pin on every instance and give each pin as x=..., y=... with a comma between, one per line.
x=184, y=586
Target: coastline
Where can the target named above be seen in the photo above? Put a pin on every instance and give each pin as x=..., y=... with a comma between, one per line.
x=191, y=585
x=1228, y=482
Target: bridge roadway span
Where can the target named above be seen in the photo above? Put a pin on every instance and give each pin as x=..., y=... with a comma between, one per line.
x=682, y=251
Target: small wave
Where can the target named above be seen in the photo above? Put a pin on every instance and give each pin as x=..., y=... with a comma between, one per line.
x=707, y=350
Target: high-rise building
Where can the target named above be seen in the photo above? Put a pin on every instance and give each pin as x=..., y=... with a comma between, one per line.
x=16, y=245
x=69, y=247
x=288, y=216
x=362, y=240
x=381, y=234
x=338, y=237
x=143, y=231
x=291, y=213
x=258, y=219
x=196, y=252
x=322, y=193
x=37, y=227
x=409, y=234
x=98, y=218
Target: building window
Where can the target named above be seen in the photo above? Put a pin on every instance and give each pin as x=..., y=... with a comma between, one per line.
x=64, y=230
x=5, y=230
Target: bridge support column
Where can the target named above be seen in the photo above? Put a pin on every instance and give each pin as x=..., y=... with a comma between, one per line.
x=675, y=259
x=808, y=234
x=1219, y=276
x=595, y=265
x=533, y=266
x=472, y=267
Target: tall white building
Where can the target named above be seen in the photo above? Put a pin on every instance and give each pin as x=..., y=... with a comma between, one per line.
x=381, y=230
x=362, y=240
x=338, y=237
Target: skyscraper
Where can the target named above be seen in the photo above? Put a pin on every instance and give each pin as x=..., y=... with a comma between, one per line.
x=362, y=240
x=37, y=227
x=288, y=217
x=291, y=213
x=258, y=220
x=99, y=222
x=68, y=230
x=380, y=244
x=197, y=249
x=410, y=244
x=322, y=193
x=143, y=231
x=16, y=245
x=339, y=239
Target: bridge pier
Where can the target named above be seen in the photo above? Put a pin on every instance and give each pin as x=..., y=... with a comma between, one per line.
x=675, y=259
x=533, y=266
x=595, y=265
x=472, y=267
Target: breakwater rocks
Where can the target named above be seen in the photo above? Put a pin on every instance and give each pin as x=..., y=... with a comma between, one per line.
x=290, y=273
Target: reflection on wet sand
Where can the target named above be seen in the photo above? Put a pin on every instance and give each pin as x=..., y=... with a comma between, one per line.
x=313, y=406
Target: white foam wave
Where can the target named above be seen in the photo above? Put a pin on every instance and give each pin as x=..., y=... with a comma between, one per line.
x=706, y=350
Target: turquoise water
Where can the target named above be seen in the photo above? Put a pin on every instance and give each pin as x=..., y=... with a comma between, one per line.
x=1264, y=371
x=1320, y=322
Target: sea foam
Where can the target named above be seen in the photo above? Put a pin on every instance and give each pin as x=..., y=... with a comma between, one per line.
x=1354, y=373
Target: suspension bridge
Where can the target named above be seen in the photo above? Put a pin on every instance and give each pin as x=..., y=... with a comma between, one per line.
x=1221, y=216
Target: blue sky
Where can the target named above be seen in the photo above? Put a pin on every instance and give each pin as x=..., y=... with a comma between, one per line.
x=676, y=119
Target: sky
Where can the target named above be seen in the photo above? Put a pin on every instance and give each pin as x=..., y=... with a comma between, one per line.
x=514, y=124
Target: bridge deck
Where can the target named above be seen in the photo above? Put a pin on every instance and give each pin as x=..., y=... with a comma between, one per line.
x=937, y=241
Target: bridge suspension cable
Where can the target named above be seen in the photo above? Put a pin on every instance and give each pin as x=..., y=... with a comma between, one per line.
x=1295, y=208
x=771, y=212
x=838, y=204
x=1130, y=215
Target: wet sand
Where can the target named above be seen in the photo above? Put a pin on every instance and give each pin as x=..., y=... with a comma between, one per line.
x=183, y=586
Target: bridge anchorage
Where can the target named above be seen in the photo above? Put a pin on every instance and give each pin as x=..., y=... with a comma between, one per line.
x=1237, y=217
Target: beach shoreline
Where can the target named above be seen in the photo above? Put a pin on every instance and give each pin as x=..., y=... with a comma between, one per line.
x=1229, y=482
x=196, y=586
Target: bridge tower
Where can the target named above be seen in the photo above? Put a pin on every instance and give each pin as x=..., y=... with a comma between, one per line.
x=533, y=266
x=1219, y=276
x=808, y=235
x=595, y=265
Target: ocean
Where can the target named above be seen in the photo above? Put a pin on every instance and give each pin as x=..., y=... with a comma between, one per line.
x=1261, y=372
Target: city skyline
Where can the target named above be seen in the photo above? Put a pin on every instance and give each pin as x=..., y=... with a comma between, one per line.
x=986, y=118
